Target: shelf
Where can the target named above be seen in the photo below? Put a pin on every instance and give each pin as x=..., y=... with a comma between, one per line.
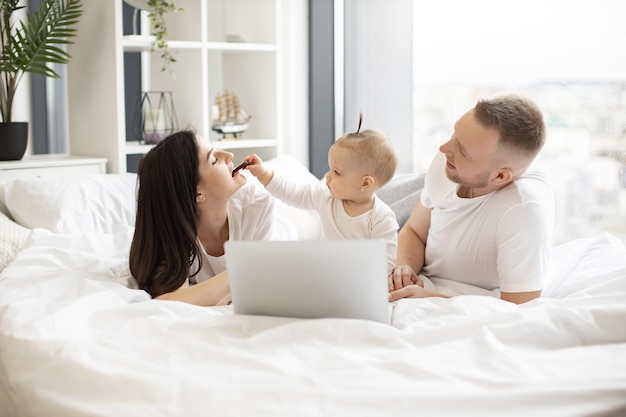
x=229, y=143
x=140, y=43
x=137, y=43
x=136, y=147
x=240, y=47
x=209, y=60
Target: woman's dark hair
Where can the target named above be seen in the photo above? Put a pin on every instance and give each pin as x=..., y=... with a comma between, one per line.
x=164, y=245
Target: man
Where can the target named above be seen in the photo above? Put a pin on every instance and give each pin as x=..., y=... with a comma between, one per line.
x=484, y=218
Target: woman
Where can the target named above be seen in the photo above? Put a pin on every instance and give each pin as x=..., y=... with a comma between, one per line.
x=189, y=203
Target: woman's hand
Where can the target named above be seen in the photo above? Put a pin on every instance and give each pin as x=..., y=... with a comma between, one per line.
x=411, y=291
x=224, y=301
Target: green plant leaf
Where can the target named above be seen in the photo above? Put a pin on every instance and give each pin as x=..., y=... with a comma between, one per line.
x=31, y=46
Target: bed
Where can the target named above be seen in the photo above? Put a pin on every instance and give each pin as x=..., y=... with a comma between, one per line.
x=77, y=339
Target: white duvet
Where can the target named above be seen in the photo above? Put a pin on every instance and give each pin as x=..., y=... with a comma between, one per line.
x=74, y=342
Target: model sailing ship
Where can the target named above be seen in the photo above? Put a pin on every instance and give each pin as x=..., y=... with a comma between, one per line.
x=228, y=115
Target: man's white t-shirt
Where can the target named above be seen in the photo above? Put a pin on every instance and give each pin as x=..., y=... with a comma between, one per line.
x=250, y=217
x=378, y=223
x=499, y=240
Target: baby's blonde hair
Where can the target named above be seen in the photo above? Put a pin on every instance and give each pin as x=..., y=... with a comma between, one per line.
x=375, y=151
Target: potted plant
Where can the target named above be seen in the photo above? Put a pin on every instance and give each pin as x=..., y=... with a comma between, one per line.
x=157, y=10
x=29, y=48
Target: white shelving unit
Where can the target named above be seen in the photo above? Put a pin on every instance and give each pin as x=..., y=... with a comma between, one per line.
x=206, y=64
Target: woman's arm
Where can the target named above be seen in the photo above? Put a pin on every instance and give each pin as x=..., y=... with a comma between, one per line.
x=212, y=292
x=519, y=297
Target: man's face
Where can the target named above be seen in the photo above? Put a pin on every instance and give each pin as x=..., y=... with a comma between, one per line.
x=471, y=152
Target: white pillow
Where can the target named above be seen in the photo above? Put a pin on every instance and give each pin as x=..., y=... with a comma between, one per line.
x=12, y=238
x=102, y=203
x=106, y=203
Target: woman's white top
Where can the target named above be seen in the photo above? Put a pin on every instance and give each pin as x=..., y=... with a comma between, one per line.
x=250, y=214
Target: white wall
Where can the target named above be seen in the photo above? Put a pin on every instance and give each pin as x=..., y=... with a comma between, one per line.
x=294, y=47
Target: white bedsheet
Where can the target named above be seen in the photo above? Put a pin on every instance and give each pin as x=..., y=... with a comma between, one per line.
x=74, y=342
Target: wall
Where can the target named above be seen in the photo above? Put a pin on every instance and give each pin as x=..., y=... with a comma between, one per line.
x=295, y=73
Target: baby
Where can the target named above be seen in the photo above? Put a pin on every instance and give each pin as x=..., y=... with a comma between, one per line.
x=360, y=163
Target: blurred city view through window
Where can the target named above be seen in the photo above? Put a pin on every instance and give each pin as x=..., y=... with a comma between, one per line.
x=567, y=56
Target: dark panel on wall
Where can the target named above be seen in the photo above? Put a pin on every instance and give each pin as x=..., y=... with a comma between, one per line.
x=132, y=86
x=39, y=123
x=132, y=78
x=132, y=162
x=321, y=84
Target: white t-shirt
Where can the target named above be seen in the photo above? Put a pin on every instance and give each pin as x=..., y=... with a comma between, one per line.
x=499, y=240
x=250, y=214
x=378, y=223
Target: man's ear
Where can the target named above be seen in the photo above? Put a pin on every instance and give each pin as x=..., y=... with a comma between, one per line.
x=367, y=183
x=200, y=198
x=502, y=176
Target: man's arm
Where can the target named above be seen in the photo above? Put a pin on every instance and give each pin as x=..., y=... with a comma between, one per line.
x=416, y=291
x=411, y=248
x=403, y=281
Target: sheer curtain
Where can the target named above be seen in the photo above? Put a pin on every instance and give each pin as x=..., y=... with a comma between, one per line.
x=565, y=55
x=58, y=118
x=378, y=70
x=48, y=112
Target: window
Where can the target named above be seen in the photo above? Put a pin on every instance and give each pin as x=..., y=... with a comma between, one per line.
x=565, y=55
x=49, y=124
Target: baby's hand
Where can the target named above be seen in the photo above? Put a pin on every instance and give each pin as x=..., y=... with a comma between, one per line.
x=255, y=165
x=258, y=169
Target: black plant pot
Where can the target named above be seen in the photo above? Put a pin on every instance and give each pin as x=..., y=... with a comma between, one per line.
x=13, y=140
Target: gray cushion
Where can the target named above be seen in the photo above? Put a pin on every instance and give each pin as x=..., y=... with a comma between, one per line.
x=401, y=194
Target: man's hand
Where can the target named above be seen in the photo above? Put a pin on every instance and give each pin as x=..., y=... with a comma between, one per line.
x=401, y=276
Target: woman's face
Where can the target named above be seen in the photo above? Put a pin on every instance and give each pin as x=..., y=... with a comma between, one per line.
x=215, y=170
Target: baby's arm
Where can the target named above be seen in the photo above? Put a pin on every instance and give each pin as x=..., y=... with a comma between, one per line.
x=259, y=170
x=385, y=227
x=289, y=191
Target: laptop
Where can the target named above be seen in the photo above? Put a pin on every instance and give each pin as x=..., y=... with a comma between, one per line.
x=309, y=278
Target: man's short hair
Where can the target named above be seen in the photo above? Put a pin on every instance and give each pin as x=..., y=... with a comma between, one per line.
x=518, y=120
